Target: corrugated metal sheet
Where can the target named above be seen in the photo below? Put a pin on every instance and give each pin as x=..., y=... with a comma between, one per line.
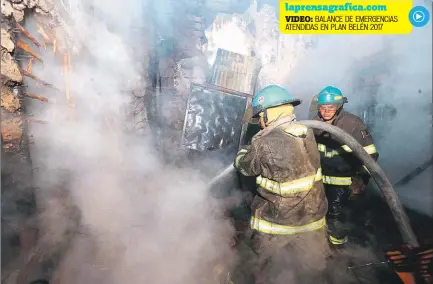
x=235, y=71
x=213, y=120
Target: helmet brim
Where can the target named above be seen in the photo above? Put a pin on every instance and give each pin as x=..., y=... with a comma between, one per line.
x=329, y=103
x=294, y=102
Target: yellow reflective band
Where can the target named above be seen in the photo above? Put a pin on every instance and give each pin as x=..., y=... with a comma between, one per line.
x=327, y=154
x=365, y=168
x=239, y=156
x=321, y=147
x=336, y=241
x=370, y=149
x=331, y=154
x=298, y=130
x=337, y=180
x=346, y=148
x=292, y=187
x=275, y=229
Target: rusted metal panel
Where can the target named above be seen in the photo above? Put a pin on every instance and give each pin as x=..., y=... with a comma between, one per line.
x=235, y=71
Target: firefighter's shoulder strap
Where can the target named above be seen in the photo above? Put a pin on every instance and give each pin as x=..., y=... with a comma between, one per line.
x=296, y=130
x=280, y=123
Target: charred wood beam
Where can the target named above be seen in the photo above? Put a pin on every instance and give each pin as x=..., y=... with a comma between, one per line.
x=36, y=97
x=30, y=75
x=24, y=46
x=28, y=35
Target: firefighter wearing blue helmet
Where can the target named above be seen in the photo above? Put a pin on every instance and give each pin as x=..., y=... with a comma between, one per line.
x=343, y=174
x=288, y=214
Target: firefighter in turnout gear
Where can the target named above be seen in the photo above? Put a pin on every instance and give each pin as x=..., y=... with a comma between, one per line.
x=344, y=176
x=288, y=232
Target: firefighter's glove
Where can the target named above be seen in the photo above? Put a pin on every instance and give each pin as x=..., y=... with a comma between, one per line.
x=357, y=187
x=240, y=155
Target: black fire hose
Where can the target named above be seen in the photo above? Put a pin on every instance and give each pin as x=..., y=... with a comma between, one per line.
x=373, y=167
x=377, y=174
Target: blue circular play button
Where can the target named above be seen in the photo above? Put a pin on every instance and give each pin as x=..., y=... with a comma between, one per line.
x=419, y=16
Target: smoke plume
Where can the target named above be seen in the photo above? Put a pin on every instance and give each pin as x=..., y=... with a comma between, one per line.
x=109, y=208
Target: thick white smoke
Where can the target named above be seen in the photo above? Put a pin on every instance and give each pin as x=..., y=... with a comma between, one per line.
x=140, y=220
x=136, y=220
x=306, y=64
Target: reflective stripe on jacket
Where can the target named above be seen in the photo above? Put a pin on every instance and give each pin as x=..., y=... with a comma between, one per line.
x=292, y=187
x=370, y=149
x=286, y=163
x=338, y=162
x=337, y=180
x=275, y=229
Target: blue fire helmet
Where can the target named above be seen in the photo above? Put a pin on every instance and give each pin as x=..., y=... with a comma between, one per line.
x=330, y=95
x=272, y=96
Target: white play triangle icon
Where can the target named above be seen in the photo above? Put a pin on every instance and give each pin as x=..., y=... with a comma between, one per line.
x=419, y=16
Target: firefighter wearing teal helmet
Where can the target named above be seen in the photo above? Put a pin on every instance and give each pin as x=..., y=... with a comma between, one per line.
x=343, y=175
x=332, y=97
x=272, y=96
x=290, y=208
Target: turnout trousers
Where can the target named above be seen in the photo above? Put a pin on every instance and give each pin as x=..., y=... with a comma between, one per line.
x=282, y=259
x=345, y=214
x=338, y=200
